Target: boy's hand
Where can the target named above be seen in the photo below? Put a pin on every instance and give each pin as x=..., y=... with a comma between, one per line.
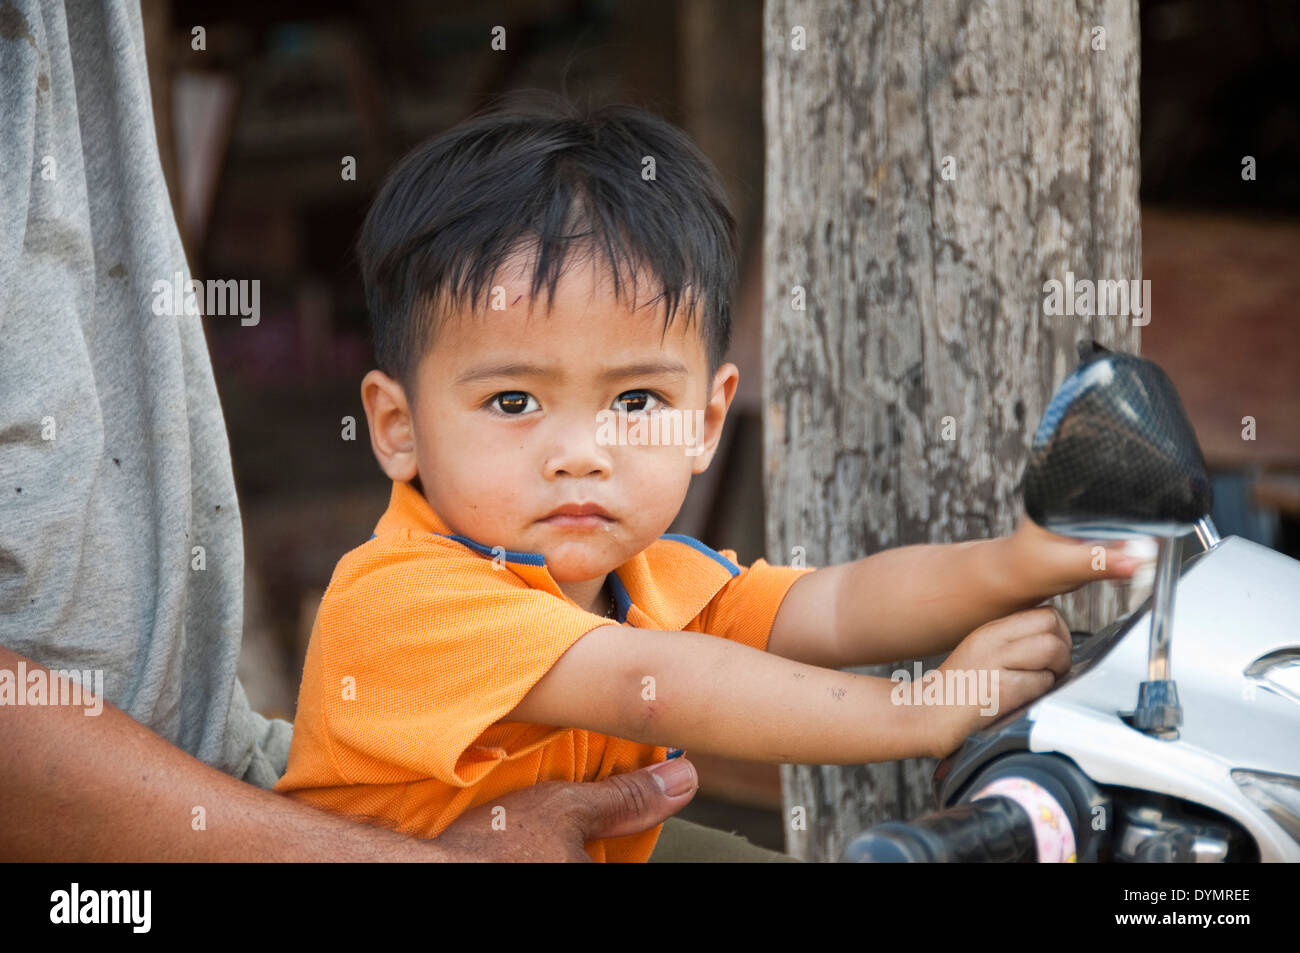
x=1028, y=650
x=1042, y=564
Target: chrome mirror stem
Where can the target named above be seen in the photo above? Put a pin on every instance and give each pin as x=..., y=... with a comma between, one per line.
x=1162, y=611
x=1158, y=712
x=1207, y=533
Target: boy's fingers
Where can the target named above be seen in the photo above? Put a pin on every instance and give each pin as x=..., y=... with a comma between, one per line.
x=1047, y=619
x=1071, y=562
x=1015, y=688
x=1122, y=560
x=1062, y=560
x=1031, y=622
x=1045, y=650
x=1062, y=631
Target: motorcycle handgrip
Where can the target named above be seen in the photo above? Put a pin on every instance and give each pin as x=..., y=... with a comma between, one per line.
x=988, y=830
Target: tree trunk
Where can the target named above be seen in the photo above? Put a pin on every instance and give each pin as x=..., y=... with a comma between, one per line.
x=929, y=167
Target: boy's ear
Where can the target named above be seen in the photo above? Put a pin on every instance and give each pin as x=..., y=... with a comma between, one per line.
x=392, y=432
x=723, y=391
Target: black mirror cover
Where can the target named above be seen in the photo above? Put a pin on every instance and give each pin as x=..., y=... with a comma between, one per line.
x=1115, y=454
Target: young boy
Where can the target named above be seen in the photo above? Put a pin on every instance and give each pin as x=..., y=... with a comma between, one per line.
x=520, y=614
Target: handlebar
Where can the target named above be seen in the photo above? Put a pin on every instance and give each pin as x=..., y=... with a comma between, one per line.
x=990, y=830
x=1020, y=808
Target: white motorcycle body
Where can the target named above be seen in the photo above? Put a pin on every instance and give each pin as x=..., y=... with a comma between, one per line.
x=1237, y=603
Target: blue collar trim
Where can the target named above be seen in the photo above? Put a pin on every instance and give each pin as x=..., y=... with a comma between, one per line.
x=711, y=553
x=622, y=601
x=528, y=559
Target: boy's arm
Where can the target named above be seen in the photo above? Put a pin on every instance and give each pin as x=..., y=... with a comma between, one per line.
x=712, y=695
x=895, y=604
x=921, y=600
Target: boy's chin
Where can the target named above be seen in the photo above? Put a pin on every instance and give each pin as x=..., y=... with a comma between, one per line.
x=572, y=564
x=582, y=571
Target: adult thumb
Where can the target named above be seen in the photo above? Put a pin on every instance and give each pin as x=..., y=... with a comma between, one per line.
x=632, y=802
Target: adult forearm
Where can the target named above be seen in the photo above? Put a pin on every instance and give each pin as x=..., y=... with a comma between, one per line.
x=104, y=787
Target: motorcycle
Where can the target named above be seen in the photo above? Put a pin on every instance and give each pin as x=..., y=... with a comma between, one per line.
x=1120, y=761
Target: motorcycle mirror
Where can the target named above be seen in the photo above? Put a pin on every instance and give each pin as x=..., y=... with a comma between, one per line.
x=1115, y=455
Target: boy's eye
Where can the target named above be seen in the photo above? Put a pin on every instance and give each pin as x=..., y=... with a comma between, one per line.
x=513, y=403
x=637, y=399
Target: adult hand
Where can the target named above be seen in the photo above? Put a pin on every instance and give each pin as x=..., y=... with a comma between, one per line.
x=552, y=821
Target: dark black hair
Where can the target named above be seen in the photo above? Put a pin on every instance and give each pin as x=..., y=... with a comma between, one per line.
x=538, y=173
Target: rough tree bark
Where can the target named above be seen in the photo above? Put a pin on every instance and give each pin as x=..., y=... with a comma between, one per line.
x=923, y=292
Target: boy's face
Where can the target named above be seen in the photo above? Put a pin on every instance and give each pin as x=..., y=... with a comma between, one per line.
x=506, y=424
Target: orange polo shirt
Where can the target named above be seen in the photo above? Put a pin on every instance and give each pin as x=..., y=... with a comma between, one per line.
x=421, y=647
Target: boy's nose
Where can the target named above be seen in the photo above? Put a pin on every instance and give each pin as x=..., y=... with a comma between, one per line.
x=578, y=450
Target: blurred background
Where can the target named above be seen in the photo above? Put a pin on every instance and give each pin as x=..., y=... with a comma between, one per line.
x=256, y=126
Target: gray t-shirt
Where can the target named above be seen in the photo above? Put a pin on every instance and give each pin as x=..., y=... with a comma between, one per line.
x=114, y=462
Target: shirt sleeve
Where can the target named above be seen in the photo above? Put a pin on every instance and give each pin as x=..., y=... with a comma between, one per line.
x=745, y=609
x=423, y=648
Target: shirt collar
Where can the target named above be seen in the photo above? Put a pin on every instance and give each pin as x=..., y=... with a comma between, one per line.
x=665, y=586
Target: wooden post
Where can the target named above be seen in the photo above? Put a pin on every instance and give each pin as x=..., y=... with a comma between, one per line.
x=930, y=165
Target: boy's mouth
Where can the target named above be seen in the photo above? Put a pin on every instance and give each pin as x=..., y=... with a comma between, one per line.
x=578, y=516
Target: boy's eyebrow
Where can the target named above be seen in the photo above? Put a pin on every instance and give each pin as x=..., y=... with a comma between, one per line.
x=665, y=368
